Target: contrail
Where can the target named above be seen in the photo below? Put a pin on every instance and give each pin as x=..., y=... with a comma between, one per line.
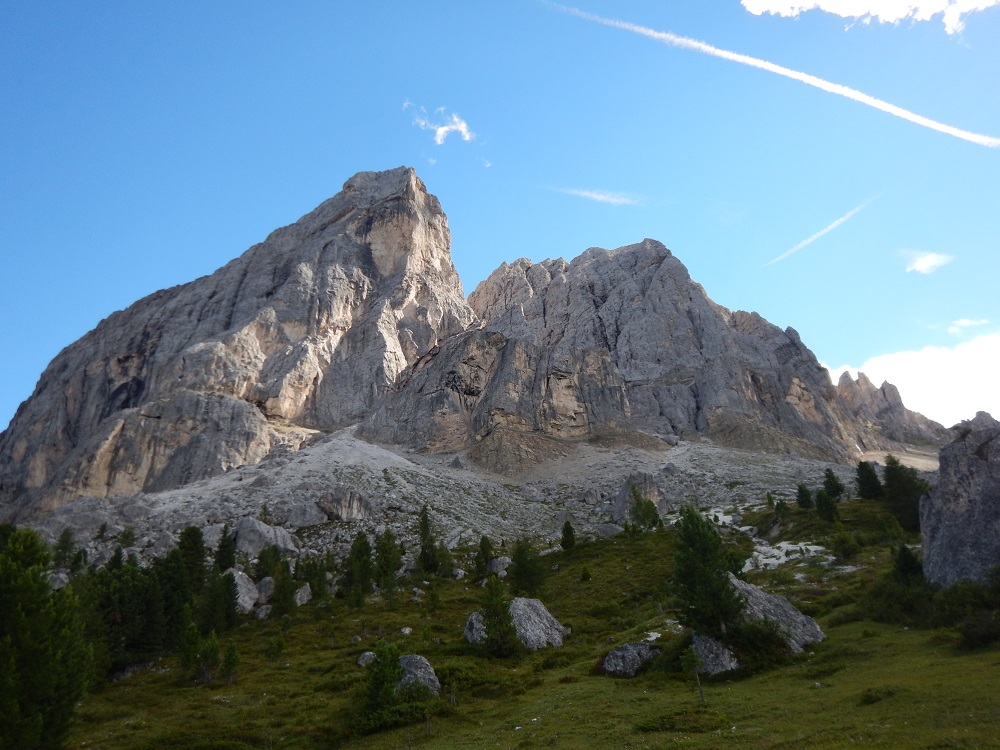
x=821, y=232
x=834, y=88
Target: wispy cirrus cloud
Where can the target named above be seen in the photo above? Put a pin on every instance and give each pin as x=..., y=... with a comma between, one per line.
x=925, y=262
x=601, y=196
x=443, y=125
x=826, y=230
x=953, y=12
x=960, y=325
x=674, y=40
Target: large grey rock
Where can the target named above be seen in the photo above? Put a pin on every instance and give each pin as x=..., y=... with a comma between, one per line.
x=798, y=629
x=246, y=590
x=418, y=671
x=960, y=517
x=253, y=535
x=716, y=658
x=629, y=658
x=302, y=332
x=498, y=565
x=647, y=487
x=303, y=595
x=616, y=341
x=535, y=626
x=265, y=589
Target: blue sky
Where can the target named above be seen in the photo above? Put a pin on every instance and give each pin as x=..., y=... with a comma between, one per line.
x=146, y=144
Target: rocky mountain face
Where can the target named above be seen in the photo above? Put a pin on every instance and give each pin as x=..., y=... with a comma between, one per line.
x=960, y=517
x=622, y=341
x=355, y=315
x=302, y=333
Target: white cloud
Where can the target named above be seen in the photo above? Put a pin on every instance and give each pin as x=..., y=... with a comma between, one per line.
x=452, y=124
x=942, y=383
x=925, y=262
x=682, y=42
x=953, y=12
x=820, y=233
x=601, y=196
x=959, y=325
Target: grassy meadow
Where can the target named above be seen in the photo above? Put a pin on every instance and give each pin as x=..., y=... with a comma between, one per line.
x=298, y=686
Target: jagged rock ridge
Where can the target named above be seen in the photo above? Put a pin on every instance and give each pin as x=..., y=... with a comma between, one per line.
x=355, y=314
x=301, y=333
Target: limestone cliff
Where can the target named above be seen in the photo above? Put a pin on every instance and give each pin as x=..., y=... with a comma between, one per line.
x=960, y=517
x=303, y=332
x=624, y=340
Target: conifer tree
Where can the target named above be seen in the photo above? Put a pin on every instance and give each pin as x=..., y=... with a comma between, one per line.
x=192, y=547
x=700, y=582
x=568, y=540
x=283, y=599
x=225, y=553
x=826, y=507
x=44, y=659
x=484, y=554
x=388, y=560
x=501, y=636
x=803, y=496
x=527, y=569
x=359, y=570
x=428, y=555
x=867, y=481
x=903, y=490
x=832, y=484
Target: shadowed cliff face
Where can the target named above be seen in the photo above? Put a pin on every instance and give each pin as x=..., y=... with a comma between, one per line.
x=303, y=332
x=355, y=314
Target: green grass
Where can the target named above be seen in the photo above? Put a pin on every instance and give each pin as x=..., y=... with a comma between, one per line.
x=869, y=684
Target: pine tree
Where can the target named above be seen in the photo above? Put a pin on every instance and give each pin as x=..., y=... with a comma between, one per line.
x=803, y=496
x=700, y=582
x=65, y=547
x=268, y=562
x=382, y=677
x=44, y=658
x=225, y=553
x=283, y=599
x=832, y=484
x=230, y=663
x=868, y=483
x=903, y=490
x=388, y=559
x=484, y=554
x=527, y=569
x=192, y=547
x=501, y=636
x=826, y=507
x=568, y=540
x=359, y=570
x=428, y=555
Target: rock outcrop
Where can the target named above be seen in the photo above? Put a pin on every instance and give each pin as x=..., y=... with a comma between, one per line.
x=417, y=671
x=623, y=341
x=628, y=659
x=303, y=332
x=355, y=314
x=535, y=626
x=960, y=517
x=799, y=630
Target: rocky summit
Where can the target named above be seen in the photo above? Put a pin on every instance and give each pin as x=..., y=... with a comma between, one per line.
x=354, y=316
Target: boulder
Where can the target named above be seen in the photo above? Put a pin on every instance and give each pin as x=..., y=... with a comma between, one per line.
x=246, y=590
x=715, y=657
x=265, y=589
x=960, y=516
x=303, y=595
x=418, y=671
x=498, y=565
x=536, y=627
x=798, y=629
x=263, y=613
x=253, y=535
x=628, y=659
x=366, y=658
